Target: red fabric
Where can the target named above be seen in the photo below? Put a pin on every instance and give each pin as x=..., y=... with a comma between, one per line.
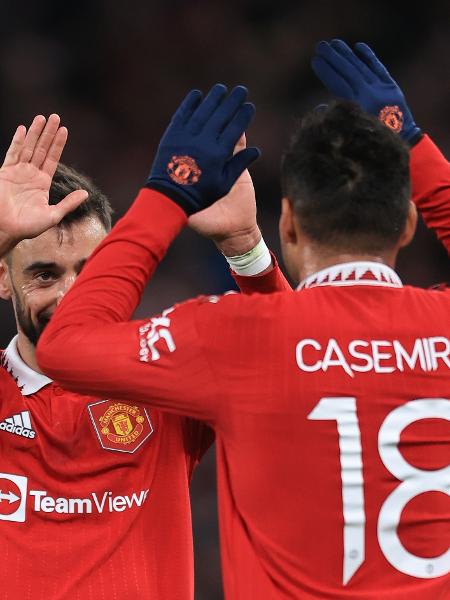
x=271, y=281
x=127, y=553
x=137, y=552
x=234, y=363
x=430, y=176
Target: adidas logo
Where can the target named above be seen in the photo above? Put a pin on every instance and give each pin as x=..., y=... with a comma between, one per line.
x=19, y=424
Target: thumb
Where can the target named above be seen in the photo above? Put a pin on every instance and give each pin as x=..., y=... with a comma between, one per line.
x=241, y=144
x=239, y=162
x=67, y=205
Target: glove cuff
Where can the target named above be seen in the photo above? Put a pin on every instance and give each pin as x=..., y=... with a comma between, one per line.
x=415, y=137
x=175, y=194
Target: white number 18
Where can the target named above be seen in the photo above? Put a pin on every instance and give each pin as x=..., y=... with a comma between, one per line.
x=413, y=482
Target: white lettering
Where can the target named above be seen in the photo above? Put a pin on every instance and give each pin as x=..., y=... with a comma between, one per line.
x=361, y=356
x=299, y=355
x=38, y=494
x=426, y=349
x=48, y=504
x=100, y=505
x=119, y=504
x=410, y=359
x=333, y=347
x=80, y=505
x=62, y=506
x=138, y=500
x=435, y=353
x=380, y=356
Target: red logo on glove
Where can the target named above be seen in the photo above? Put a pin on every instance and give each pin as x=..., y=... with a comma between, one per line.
x=184, y=170
x=392, y=117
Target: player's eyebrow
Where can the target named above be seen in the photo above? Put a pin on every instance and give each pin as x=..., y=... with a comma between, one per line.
x=40, y=265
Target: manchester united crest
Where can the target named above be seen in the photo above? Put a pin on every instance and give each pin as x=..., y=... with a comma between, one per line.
x=392, y=117
x=120, y=426
x=184, y=170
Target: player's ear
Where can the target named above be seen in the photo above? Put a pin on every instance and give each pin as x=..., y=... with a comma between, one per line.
x=288, y=231
x=5, y=282
x=410, y=226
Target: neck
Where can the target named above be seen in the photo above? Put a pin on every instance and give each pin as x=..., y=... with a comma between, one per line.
x=311, y=261
x=27, y=352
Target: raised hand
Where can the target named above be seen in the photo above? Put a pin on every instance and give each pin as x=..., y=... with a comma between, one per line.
x=231, y=221
x=194, y=164
x=25, y=179
x=357, y=75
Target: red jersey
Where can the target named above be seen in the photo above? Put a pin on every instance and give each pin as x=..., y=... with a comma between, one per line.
x=430, y=177
x=94, y=498
x=331, y=408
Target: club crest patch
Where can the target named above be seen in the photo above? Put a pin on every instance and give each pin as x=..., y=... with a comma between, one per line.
x=183, y=170
x=392, y=117
x=120, y=426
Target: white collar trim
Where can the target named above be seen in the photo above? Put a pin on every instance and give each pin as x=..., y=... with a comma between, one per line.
x=354, y=273
x=28, y=380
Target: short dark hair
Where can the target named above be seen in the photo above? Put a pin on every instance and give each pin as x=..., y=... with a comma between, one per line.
x=347, y=176
x=66, y=180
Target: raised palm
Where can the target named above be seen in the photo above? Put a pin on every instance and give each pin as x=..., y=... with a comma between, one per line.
x=25, y=179
x=231, y=217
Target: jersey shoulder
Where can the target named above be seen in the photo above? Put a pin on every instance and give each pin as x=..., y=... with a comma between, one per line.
x=437, y=295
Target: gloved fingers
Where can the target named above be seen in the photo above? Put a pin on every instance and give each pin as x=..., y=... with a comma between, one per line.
x=226, y=112
x=187, y=107
x=240, y=161
x=331, y=79
x=368, y=56
x=346, y=52
x=340, y=64
x=237, y=126
x=209, y=105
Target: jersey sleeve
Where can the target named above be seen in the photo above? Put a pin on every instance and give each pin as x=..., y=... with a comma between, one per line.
x=89, y=346
x=160, y=361
x=430, y=176
x=272, y=281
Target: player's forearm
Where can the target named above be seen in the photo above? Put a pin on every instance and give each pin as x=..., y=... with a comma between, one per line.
x=430, y=175
x=111, y=284
x=253, y=266
x=239, y=242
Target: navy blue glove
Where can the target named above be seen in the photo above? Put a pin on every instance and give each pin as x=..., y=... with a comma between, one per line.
x=194, y=164
x=360, y=77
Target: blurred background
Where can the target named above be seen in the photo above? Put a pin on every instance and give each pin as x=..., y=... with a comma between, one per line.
x=115, y=71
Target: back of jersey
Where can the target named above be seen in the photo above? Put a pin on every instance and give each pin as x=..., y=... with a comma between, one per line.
x=333, y=451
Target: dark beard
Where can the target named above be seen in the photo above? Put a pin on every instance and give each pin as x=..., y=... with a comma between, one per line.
x=31, y=331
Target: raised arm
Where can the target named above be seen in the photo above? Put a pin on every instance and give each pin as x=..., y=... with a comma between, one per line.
x=87, y=345
x=430, y=178
x=232, y=225
x=357, y=75
x=25, y=179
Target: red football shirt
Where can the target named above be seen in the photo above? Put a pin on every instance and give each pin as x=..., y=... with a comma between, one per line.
x=331, y=408
x=430, y=177
x=94, y=499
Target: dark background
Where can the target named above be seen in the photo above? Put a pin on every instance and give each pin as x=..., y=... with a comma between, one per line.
x=115, y=71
